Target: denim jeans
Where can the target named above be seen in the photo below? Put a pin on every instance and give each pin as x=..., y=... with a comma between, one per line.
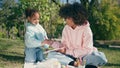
x=32, y=55
x=63, y=59
x=95, y=59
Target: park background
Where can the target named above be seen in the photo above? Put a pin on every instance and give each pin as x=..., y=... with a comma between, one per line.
x=104, y=18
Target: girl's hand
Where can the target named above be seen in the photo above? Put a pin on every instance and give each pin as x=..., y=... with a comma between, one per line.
x=62, y=50
x=47, y=41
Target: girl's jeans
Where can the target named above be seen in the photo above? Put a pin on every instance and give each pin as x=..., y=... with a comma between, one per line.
x=32, y=55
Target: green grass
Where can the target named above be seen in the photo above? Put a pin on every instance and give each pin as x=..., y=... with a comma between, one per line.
x=113, y=56
x=12, y=54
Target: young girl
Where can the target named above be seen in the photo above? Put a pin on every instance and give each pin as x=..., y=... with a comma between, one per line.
x=77, y=39
x=35, y=37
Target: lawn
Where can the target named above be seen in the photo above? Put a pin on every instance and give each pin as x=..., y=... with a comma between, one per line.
x=12, y=54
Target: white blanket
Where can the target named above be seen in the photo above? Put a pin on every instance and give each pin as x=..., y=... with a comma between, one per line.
x=50, y=63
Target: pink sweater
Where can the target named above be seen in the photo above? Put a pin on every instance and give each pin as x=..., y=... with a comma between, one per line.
x=79, y=41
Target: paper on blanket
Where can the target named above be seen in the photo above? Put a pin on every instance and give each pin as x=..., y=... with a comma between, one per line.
x=55, y=46
x=52, y=50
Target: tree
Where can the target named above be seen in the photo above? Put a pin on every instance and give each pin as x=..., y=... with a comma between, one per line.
x=108, y=27
x=104, y=18
x=7, y=17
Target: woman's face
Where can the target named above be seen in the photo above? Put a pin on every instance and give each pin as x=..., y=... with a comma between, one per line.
x=69, y=22
x=34, y=19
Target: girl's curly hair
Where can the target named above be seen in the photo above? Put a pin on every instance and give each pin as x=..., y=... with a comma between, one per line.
x=30, y=12
x=75, y=11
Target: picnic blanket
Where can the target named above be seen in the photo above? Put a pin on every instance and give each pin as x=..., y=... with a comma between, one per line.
x=49, y=63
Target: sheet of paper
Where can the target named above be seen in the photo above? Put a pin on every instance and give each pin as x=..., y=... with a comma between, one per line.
x=51, y=50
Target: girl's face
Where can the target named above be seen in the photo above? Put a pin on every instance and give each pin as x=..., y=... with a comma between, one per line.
x=70, y=23
x=34, y=19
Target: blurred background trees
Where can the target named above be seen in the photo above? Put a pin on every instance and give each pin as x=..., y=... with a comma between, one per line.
x=104, y=17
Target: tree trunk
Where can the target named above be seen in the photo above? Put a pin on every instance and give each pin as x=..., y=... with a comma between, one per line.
x=8, y=33
x=67, y=1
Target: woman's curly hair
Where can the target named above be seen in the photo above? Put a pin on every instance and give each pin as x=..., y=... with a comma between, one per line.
x=75, y=11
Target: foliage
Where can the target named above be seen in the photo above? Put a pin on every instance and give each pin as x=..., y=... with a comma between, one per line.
x=7, y=18
x=109, y=22
x=104, y=18
x=13, y=33
x=58, y=30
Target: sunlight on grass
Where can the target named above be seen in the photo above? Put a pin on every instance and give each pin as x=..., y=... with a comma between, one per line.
x=12, y=54
x=112, y=55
